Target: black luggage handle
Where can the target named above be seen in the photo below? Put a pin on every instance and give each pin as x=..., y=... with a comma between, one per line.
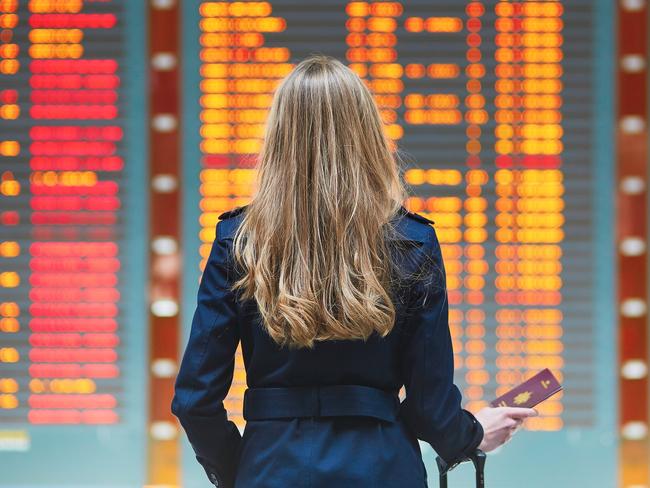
x=478, y=457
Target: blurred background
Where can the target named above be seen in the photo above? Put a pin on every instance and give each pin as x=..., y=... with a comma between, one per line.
x=127, y=127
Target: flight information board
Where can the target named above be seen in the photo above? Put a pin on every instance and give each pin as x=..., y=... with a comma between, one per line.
x=500, y=111
x=72, y=330
x=492, y=106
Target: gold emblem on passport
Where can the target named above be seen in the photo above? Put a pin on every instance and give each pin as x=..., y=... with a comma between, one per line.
x=522, y=398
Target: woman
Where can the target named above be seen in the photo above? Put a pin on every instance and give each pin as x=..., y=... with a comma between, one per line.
x=337, y=294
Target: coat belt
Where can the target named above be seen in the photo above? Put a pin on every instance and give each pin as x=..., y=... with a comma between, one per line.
x=320, y=401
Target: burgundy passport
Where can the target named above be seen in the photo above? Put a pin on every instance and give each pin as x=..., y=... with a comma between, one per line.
x=530, y=392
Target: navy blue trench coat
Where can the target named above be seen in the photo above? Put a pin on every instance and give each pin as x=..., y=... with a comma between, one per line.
x=331, y=416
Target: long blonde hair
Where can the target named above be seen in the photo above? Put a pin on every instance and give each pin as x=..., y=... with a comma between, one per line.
x=312, y=242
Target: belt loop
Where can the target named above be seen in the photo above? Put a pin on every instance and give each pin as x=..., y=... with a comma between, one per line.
x=315, y=401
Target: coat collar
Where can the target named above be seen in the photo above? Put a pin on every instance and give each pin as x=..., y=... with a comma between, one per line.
x=232, y=213
x=402, y=211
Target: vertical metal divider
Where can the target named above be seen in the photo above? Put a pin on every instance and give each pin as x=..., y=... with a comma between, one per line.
x=164, y=238
x=631, y=240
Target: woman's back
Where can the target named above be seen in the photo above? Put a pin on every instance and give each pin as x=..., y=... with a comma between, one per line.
x=331, y=415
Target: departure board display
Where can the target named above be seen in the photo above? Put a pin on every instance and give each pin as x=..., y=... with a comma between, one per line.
x=491, y=105
x=71, y=330
x=500, y=113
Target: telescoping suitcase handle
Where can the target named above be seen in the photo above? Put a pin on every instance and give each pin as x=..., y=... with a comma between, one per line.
x=477, y=457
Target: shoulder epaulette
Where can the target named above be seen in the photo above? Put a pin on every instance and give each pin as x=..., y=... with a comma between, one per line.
x=416, y=216
x=231, y=213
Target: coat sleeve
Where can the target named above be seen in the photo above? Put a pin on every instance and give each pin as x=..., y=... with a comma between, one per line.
x=206, y=371
x=432, y=406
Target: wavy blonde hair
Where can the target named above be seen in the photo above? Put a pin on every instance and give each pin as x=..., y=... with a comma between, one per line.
x=312, y=243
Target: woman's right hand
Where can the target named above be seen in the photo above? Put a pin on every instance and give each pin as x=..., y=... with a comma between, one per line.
x=500, y=423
